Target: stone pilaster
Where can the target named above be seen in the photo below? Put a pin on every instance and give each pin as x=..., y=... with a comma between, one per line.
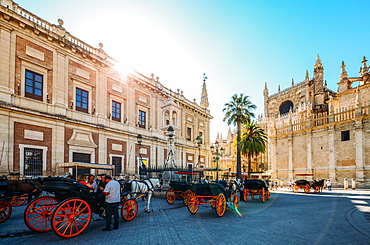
x=332, y=153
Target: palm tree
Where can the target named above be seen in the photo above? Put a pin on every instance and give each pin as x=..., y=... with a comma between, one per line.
x=238, y=112
x=253, y=142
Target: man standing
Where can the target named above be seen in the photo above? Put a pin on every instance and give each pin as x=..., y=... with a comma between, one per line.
x=101, y=184
x=328, y=184
x=112, y=199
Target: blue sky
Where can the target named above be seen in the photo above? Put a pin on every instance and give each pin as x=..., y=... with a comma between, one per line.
x=240, y=45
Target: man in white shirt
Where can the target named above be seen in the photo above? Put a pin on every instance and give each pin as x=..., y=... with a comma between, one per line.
x=112, y=200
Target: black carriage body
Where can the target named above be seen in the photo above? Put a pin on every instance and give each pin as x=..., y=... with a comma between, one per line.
x=302, y=182
x=64, y=188
x=210, y=190
x=255, y=184
x=180, y=186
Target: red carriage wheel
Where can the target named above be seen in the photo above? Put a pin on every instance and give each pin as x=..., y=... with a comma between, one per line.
x=129, y=209
x=170, y=196
x=71, y=217
x=245, y=194
x=263, y=197
x=186, y=197
x=252, y=194
x=295, y=189
x=37, y=215
x=268, y=195
x=5, y=210
x=18, y=200
x=307, y=189
x=220, y=205
x=193, y=203
x=236, y=201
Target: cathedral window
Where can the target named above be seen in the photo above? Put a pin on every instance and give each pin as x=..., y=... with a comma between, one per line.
x=34, y=85
x=116, y=111
x=345, y=136
x=142, y=119
x=188, y=134
x=285, y=107
x=82, y=100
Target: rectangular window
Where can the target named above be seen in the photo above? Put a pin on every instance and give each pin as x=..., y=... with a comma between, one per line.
x=345, y=135
x=33, y=85
x=117, y=162
x=82, y=100
x=188, y=134
x=116, y=111
x=33, y=161
x=142, y=119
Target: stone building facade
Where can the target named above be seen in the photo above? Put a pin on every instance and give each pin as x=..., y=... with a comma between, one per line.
x=317, y=132
x=62, y=100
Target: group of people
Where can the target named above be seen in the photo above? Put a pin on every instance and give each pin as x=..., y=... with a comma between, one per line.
x=110, y=190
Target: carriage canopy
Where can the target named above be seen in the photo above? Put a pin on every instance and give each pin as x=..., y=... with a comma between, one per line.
x=84, y=165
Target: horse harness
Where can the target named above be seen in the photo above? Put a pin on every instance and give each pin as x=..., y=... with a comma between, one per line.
x=141, y=190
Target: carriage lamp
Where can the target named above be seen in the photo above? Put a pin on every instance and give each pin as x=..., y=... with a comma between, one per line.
x=139, y=139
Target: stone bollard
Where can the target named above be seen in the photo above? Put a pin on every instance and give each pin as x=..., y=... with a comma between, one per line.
x=346, y=184
x=353, y=184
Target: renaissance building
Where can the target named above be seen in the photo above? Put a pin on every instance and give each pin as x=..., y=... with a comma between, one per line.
x=62, y=100
x=317, y=132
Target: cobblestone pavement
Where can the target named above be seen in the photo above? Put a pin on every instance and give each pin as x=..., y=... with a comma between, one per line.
x=336, y=217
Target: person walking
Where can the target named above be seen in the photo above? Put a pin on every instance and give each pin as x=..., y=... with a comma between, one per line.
x=328, y=184
x=112, y=200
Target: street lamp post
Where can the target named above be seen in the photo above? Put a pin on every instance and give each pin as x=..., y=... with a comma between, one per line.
x=199, y=142
x=139, y=141
x=216, y=152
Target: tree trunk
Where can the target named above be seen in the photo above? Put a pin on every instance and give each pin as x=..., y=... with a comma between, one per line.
x=238, y=156
x=249, y=165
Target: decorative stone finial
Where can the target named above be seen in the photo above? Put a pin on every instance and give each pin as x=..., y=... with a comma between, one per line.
x=343, y=74
x=292, y=82
x=60, y=22
x=364, y=69
x=100, y=45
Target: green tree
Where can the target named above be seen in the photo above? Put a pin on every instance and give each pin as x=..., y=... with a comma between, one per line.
x=253, y=142
x=238, y=112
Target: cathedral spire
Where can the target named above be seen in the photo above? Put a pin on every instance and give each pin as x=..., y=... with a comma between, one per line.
x=204, y=99
x=318, y=61
x=307, y=79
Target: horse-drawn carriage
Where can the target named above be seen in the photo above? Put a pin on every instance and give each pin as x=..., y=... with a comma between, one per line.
x=213, y=194
x=254, y=187
x=302, y=184
x=16, y=188
x=14, y=192
x=179, y=189
x=68, y=210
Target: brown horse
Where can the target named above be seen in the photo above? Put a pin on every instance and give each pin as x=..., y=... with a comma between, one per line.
x=318, y=185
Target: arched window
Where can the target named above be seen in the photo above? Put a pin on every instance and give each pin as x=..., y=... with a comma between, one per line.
x=285, y=107
x=167, y=118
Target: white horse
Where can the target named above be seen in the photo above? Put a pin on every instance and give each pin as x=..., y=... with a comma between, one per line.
x=146, y=188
